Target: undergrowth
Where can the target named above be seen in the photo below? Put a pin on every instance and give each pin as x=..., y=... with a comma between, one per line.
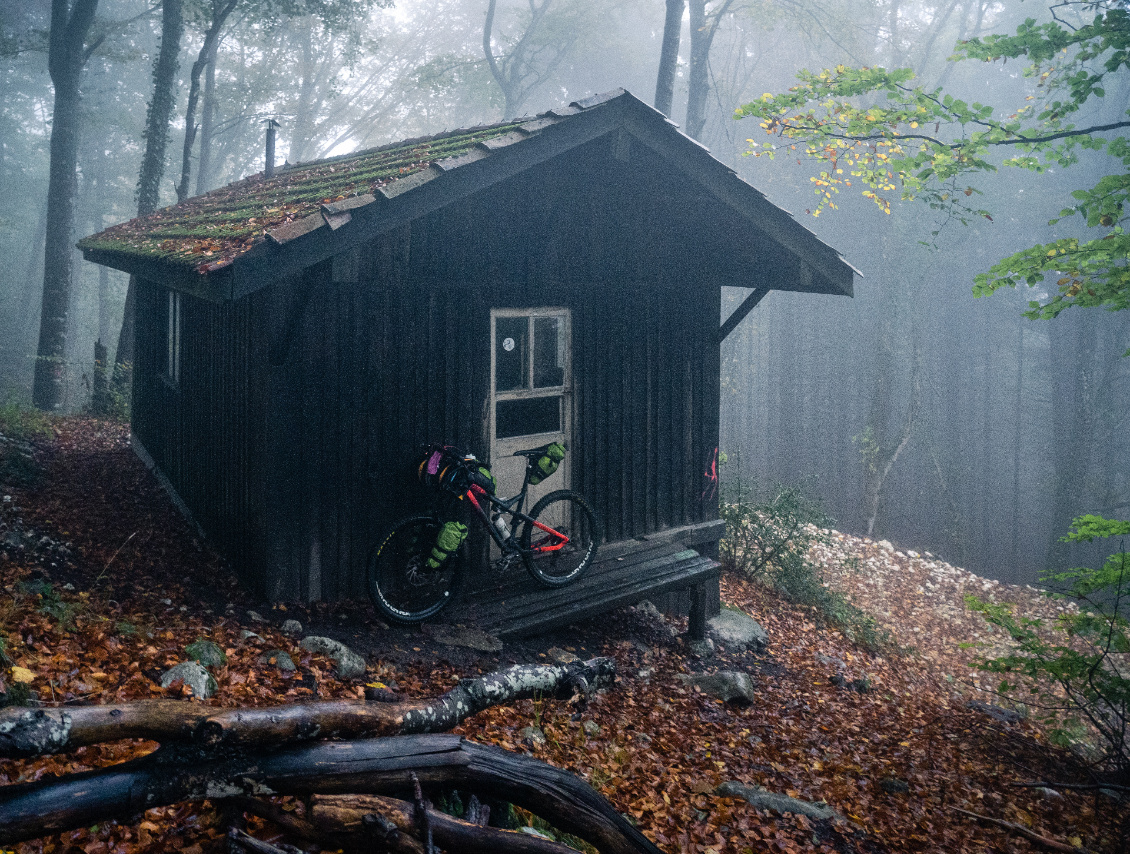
x=1076, y=682
x=768, y=541
x=21, y=423
x=19, y=427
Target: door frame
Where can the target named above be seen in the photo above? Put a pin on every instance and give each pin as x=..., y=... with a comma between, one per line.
x=502, y=449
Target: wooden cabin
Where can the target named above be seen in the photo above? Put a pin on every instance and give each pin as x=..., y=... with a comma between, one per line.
x=300, y=336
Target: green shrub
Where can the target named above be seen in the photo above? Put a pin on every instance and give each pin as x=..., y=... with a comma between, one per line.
x=768, y=541
x=23, y=423
x=19, y=426
x=51, y=603
x=1079, y=683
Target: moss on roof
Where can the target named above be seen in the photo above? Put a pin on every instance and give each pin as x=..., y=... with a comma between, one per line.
x=209, y=231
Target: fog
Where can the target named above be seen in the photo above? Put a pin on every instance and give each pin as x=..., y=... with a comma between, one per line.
x=1006, y=427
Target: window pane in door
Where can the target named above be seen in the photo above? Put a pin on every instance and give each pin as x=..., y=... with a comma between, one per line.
x=527, y=417
x=549, y=352
x=510, y=361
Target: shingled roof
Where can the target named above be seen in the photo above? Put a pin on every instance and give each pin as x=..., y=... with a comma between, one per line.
x=236, y=239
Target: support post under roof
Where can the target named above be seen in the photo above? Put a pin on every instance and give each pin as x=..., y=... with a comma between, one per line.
x=748, y=305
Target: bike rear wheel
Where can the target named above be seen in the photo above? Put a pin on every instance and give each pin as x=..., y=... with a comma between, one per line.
x=568, y=513
x=401, y=584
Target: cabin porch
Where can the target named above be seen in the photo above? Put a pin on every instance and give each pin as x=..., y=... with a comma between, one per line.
x=673, y=568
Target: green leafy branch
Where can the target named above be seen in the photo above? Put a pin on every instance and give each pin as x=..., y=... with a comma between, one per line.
x=1077, y=678
x=874, y=127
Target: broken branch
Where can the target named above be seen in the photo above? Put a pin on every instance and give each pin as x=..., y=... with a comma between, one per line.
x=38, y=732
x=339, y=816
x=1030, y=835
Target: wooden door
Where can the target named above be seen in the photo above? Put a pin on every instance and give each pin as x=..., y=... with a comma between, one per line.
x=531, y=393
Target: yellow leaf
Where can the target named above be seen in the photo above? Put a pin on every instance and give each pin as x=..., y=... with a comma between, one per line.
x=1076, y=841
x=22, y=675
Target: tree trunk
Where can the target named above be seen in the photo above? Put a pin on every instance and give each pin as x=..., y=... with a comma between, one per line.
x=99, y=393
x=885, y=459
x=304, y=119
x=500, y=77
x=66, y=58
x=697, y=82
x=207, y=54
x=669, y=56
x=703, y=27
x=207, y=126
x=157, y=119
x=160, y=112
x=1073, y=425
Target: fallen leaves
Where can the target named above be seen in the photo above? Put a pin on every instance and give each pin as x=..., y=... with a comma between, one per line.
x=654, y=748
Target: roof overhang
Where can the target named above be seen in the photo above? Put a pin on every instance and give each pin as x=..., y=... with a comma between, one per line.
x=810, y=265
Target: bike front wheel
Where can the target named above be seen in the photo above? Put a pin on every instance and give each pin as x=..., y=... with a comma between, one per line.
x=404, y=588
x=558, y=560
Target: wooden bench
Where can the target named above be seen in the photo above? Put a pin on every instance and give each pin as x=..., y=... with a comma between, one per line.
x=624, y=573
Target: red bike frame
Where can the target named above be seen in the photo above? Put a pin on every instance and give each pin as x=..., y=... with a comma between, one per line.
x=475, y=492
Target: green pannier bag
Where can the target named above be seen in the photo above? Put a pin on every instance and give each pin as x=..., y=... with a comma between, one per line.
x=547, y=463
x=451, y=537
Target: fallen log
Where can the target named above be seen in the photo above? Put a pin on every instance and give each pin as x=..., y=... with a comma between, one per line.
x=39, y=732
x=342, y=817
x=378, y=766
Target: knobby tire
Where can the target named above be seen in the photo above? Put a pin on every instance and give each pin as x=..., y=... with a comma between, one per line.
x=404, y=589
x=569, y=513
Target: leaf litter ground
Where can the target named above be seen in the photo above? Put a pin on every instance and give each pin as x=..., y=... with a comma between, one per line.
x=130, y=585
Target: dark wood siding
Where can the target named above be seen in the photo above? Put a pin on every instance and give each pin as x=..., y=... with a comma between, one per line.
x=205, y=432
x=301, y=407
x=400, y=357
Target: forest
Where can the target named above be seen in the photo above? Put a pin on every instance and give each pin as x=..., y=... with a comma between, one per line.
x=913, y=411
x=955, y=432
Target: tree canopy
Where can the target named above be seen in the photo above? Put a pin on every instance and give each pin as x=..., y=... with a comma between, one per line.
x=876, y=128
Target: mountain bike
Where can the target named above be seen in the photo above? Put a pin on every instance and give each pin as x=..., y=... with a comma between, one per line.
x=556, y=541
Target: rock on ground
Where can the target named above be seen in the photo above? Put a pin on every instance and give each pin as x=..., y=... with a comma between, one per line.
x=349, y=664
x=763, y=799
x=194, y=675
x=207, y=653
x=727, y=685
x=464, y=636
x=736, y=629
x=280, y=658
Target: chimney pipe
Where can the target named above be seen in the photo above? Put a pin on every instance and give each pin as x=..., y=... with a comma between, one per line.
x=269, y=168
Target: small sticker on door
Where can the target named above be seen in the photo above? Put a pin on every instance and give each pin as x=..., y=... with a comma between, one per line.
x=507, y=344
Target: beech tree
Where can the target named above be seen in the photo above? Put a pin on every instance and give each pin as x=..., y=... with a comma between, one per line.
x=68, y=52
x=669, y=56
x=532, y=57
x=157, y=118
